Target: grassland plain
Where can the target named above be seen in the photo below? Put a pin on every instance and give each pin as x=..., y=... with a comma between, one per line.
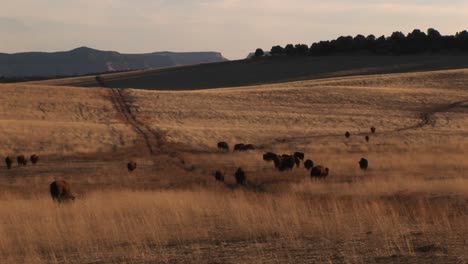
x=411, y=206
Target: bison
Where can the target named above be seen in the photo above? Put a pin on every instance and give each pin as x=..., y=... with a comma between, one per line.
x=239, y=147
x=249, y=147
x=219, y=176
x=319, y=172
x=299, y=155
x=60, y=191
x=367, y=138
x=347, y=134
x=287, y=162
x=363, y=164
x=34, y=159
x=223, y=146
x=308, y=164
x=131, y=166
x=240, y=176
x=21, y=160
x=373, y=129
x=269, y=156
x=8, y=162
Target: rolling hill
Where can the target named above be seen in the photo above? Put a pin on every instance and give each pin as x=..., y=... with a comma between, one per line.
x=266, y=70
x=409, y=206
x=85, y=60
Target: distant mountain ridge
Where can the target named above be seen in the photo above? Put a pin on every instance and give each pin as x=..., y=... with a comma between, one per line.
x=86, y=60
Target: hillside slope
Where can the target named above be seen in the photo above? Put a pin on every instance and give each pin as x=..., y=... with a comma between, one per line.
x=267, y=70
x=86, y=60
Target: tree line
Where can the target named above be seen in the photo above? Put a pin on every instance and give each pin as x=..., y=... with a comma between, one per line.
x=416, y=42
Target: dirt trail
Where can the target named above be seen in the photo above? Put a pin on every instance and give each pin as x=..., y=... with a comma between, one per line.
x=152, y=140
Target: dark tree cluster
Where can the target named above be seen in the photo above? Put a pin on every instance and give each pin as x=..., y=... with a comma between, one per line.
x=416, y=42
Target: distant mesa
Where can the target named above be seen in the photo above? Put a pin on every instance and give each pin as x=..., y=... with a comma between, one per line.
x=84, y=60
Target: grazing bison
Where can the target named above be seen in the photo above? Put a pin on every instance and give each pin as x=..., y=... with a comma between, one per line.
x=277, y=161
x=373, y=129
x=60, y=191
x=239, y=147
x=21, y=160
x=308, y=164
x=131, y=166
x=297, y=161
x=363, y=164
x=287, y=162
x=299, y=155
x=367, y=138
x=347, y=134
x=219, y=176
x=8, y=162
x=319, y=172
x=240, y=176
x=269, y=156
x=249, y=147
x=223, y=146
x=34, y=159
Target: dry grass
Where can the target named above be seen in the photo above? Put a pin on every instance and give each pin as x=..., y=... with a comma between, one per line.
x=232, y=227
x=411, y=206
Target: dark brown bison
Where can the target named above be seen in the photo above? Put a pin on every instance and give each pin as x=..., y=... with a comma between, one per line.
x=60, y=191
x=308, y=164
x=367, y=138
x=319, y=172
x=239, y=147
x=223, y=146
x=249, y=147
x=219, y=176
x=34, y=159
x=287, y=162
x=347, y=134
x=8, y=162
x=363, y=164
x=373, y=129
x=269, y=156
x=131, y=166
x=240, y=176
x=277, y=161
x=299, y=155
x=21, y=160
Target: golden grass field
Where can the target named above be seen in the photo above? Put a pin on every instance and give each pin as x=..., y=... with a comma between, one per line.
x=411, y=206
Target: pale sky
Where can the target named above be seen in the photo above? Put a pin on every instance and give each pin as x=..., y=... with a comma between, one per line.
x=233, y=27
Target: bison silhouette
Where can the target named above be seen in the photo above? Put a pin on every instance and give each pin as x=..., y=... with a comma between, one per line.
x=21, y=160
x=299, y=155
x=240, y=176
x=308, y=164
x=219, y=176
x=223, y=146
x=319, y=172
x=131, y=166
x=269, y=156
x=61, y=192
x=34, y=159
x=8, y=162
x=363, y=164
x=239, y=147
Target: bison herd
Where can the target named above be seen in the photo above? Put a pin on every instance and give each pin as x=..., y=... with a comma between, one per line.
x=285, y=162
x=224, y=146
x=367, y=138
x=60, y=190
x=21, y=160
